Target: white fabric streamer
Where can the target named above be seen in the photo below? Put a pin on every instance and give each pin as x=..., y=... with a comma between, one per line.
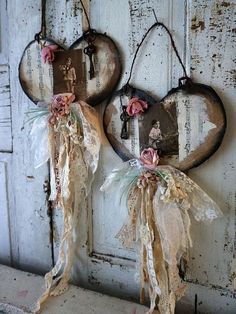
x=72, y=145
x=168, y=196
x=39, y=141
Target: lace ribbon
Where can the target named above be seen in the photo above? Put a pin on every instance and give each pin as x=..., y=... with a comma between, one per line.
x=158, y=217
x=73, y=149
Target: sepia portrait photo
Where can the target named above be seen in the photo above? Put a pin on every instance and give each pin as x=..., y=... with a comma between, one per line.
x=158, y=129
x=69, y=73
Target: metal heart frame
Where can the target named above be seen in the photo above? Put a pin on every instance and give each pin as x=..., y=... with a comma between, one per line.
x=36, y=78
x=180, y=141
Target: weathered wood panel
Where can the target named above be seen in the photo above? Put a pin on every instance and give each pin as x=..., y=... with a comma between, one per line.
x=103, y=264
x=212, y=57
x=5, y=188
x=30, y=223
x=5, y=103
x=5, y=110
x=5, y=140
x=111, y=268
x=4, y=32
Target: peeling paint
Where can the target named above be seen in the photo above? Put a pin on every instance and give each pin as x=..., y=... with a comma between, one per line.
x=225, y=4
x=196, y=25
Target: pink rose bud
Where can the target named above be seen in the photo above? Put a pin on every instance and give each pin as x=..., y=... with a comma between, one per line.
x=149, y=158
x=136, y=106
x=60, y=106
x=48, y=53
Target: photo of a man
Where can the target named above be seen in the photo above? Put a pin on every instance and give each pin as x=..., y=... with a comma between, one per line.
x=69, y=73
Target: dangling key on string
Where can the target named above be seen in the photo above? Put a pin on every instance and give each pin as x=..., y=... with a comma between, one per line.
x=125, y=118
x=89, y=51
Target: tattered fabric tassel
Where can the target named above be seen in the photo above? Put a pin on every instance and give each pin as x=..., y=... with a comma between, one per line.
x=159, y=199
x=72, y=145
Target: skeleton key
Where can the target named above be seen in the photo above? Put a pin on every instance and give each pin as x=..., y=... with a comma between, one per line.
x=125, y=118
x=89, y=51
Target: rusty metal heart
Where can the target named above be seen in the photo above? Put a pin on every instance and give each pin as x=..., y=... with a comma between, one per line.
x=36, y=77
x=200, y=122
x=186, y=126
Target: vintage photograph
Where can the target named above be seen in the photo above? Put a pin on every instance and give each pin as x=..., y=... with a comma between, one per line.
x=69, y=73
x=158, y=129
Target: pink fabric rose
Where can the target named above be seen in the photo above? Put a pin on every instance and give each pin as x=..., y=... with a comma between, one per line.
x=60, y=106
x=48, y=53
x=149, y=158
x=136, y=106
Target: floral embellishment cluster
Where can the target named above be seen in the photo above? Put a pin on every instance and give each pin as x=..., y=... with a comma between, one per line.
x=60, y=106
x=48, y=53
x=136, y=107
x=147, y=178
x=149, y=158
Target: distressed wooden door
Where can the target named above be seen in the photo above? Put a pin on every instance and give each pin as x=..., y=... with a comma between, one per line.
x=204, y=34
x=24, y=216
x=5, y=139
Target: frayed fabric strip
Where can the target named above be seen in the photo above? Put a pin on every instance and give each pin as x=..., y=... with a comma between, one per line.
x=71, y=144
x=159, y=200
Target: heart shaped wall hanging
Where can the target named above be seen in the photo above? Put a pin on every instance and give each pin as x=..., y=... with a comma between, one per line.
x=186, y=126
x=97, y=67
x=180, y=131
x=200, y=123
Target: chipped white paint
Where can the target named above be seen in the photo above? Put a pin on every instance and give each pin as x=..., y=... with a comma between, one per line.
x=5, y=188
x=28, y=219
x=4, y=32
x=211, y=47
x=5, y=141
x=5, y=110
x=101, y=263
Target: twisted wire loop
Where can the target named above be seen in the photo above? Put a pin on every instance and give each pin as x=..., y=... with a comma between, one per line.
x=156, y=25
x=43, y=31
x=86, y=15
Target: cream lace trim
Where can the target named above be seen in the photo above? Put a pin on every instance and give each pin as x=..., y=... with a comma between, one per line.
x=158, y=218
x=74, y=152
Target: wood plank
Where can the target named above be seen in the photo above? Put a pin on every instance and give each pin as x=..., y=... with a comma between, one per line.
x=30, y=223
x=5, y=111
x=5, y=240
x=111, y=268
x=211, y=55
x=4, y=32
